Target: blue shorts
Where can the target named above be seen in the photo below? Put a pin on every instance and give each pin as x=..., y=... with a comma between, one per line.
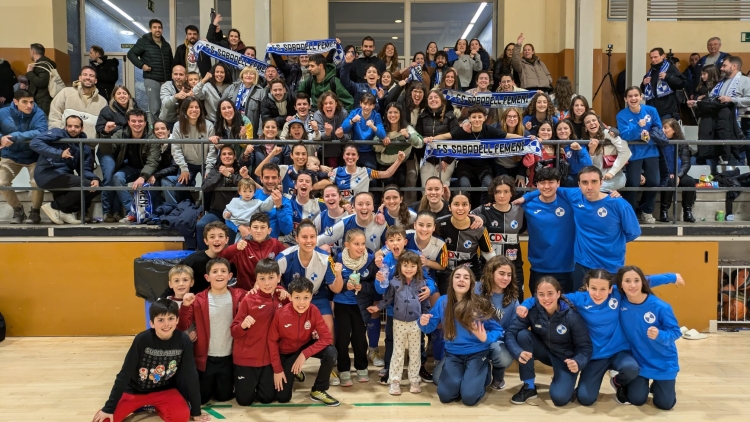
x=323, y=304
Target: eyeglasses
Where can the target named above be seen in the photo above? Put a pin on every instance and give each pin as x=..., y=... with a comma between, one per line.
x=511, y=117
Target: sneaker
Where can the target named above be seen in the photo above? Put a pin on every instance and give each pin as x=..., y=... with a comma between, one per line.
x=300, y=377
x=384, y=379
x=334, y=380
x=130, y=219
x=647, y=218
x=621, y=394
x=363, y=375
x=324, y=397
x=498, y=384
x=19, y=216
x=34, y=217
x=394, y=388
x=70, y=218
x=373, y=354
x=111, y=218
x=414, y=388
x=426, y=376
x=345, y=379
x=383, y=372
x=53, y=214
x=524, y=394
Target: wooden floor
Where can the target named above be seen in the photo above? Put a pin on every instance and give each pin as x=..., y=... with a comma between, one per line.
x=68, y=379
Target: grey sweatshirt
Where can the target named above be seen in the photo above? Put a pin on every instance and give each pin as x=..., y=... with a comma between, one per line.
x=185, y=154
x=211, y=97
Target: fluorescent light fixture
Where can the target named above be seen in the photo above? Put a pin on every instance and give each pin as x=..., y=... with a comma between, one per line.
x=394, y=38
x=126, y=16
x=126, y=32
x=141, y=27
x=474, y=19
x=398, y=21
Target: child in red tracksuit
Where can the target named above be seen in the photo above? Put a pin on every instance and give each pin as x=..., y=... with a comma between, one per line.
x=252, y=361
x=213, y=311
x=298, y=333
x=245, y=254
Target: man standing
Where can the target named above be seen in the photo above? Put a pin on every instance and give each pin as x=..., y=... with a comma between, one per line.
x=38, y=75
x=734, y=88
x=172, y=93
x=715, y=56
x=56, y=168
x=21, y=122
x=689, y=74
x=134, y=162
x=323, y=78
x=660, y=85
x=185, y=57
x=82, y=100
x=107, y=72
x=368, y=58
x=153, y=54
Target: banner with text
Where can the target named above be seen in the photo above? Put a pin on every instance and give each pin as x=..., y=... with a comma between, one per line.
x=306, y=47
x=489, y=99
x=228, y=56
x=485, y=148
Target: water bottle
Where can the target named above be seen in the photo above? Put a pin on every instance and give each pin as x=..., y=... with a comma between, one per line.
x=386, y=281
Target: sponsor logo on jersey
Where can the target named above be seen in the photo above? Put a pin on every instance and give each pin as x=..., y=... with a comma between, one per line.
x=512, y=254
x=561, y=329
x=329, y=231
x=271, y=255
x=537, y=211
x=503, y=238
x=649, y=317
x=602, y=212
x=347, y=193
x=365, y=273
x=494, y=223
x=287, y=325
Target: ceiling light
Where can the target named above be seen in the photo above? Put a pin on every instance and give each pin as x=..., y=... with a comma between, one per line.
x=141, y=27
x=118, y=10
x=398, y=21
x=126, y=32
x=474, y=19
x=394, y=38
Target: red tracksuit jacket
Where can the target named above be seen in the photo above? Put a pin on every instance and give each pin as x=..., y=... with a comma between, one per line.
x=198, y=313
x=291, y=330
x=250, y=347
x=246, y=260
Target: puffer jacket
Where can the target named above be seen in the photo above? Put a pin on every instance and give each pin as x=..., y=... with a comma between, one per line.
x=51, y=163
x=72, y=102
x=159, y=59
x=21, y=128
x=430, y=124
x=334, y=150
x=534, y=74
x=215, y=180
x=150, y=152
x=167, y=166
x=107, y=73
x=39, y=81
x=7, y=80
x=252, y=104
x=564, y=333
x=111, y=113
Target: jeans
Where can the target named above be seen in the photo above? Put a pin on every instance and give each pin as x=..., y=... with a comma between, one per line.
x=464, y=376
x=153, y=93
x=649, y=167
x=110, y=201
x=501, y=359
x=475, y=174
x=565, y=280
x=563, y=381
x=180, y=196
x=121, y=178
x=170, y=196
x=209, y=217
x=590, y=380
x=664, y=393
x=615, y=183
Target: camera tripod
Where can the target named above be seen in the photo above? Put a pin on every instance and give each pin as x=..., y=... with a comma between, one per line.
x=608, y=75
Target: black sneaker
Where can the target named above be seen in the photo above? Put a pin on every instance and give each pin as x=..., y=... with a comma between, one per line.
x=621, y=392
x=524, y=394
x=19, y=216
x=384, y=379
x=426, y=376
x=34, y=217
x=300, y=376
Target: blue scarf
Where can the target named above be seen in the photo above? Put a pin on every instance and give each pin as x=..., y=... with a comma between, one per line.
x=731, y=90
x=306, y=47
x=242, y=94
x=415, y=74
x=228, y=56
x=484, y=148
x=489, y=99
x=662, y=88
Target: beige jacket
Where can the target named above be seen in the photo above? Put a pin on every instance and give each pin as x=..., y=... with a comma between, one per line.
x=533, y=74
x=72, y=102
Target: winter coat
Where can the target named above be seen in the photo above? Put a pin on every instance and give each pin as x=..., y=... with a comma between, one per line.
x=534, y=73
x=51, y=164
x=702, y=62
x=167, y=166
x=270, y=110
x=683, y=160
x=182, y=217
x=111, y=113
x=107, y=74
x=334, y=150
x=215, y=180
x=211, y=97
x=38, y=82
x=484, y=57
x=218, y=38
x=72, y=102
x=293, y=73
x=181, y=55
x=501, y=69
x=21, y=128
x=150, y=152
x=315, y=89
x=159, y=59
x=430, y=124
x=7, y=80
x=667, y=104
x=252, y=105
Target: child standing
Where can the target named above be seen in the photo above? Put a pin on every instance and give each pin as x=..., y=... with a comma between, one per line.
x=212, y=311
x=216, y=238
x=248, y=252
x=298, y=333
x=157, y=362
x=180, y=282
x=469, y=330
x=403, y=293
x=252, y=360
x=651, y=329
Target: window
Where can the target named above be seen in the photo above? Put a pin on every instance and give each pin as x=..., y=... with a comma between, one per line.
x=352, y=21
x=445, y=23
x=685, y=9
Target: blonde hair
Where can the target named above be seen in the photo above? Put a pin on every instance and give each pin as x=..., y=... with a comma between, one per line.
x=249, y=69
x=180, y=269
x=246, y=184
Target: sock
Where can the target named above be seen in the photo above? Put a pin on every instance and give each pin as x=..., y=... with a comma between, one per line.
x=438, y=344
x=530, y=383
x=373, y=332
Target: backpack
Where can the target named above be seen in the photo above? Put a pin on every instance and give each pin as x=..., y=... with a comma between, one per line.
x=56, y=83
x=142, y=207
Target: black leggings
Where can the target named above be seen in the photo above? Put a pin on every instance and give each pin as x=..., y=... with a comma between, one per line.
x=350, y=329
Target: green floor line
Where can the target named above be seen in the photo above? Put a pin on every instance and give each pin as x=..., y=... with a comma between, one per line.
x=213, y=413
x=217, y=406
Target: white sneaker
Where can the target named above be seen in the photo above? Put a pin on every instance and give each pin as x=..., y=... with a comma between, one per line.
x=53, y=214
x=647, y=218
x=69, y=218
x=375, y=357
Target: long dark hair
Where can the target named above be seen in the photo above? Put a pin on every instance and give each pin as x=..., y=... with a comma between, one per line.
x=411, y=258
x=556, y=285
x=402, y=123
x=672, y=123
x=488, y=279
x=586, y=106
x=456, y=81
x=713, y=77
x=645, y=287
x=222, y=126
x=409, y=102
x=569, y=124
x=531, y=108
x=599, y=274
x=563, y=93
x=424, y=203
x=470, y=308
x=404, y=216
x=227, y=75
x=506, y=59
x=184, y=121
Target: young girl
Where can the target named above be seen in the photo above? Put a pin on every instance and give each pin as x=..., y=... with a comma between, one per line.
x=358, y=271
x=353, y=180
x=394, y=211
x=463, y=242
x=403, y=293
x=335, y=211
x=599, y=306
x=500, y=285
x=608, y=153
x=510, y=122
x=540, y=109
x=651, y=329
x=673, y=130
x=362, y=219
x=505, y=222
x=576, y=157
x=558, y=338
x=469, y=331
x=432, y=199
x=580, y=107
x=365, y=124
x=549, y=156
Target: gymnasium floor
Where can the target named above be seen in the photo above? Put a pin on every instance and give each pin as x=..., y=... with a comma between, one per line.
x=69, y=378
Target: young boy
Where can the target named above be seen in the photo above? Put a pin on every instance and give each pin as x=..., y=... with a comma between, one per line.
x=180, y=282
x=239, y=210
x=297, y=333
x=212, y=311
x=158, y=361
x=246, y=254
x=215, y=236
x=313, y=165
x=252, y=363
x=193, y=78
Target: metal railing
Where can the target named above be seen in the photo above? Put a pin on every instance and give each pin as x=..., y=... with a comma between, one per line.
x=676, y=189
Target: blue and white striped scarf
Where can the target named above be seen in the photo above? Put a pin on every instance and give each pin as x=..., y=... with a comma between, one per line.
x=228, y=56
x=662, y=88
x=306, y=47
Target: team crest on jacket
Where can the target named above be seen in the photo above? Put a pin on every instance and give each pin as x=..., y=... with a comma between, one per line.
x=271, y=255
x=602, y=212
x=613, y=303
x=649, y=317
x=365, y=273
x=514, y=224
x=494, y=223
x=560, y=211
x=307, y=325
x=561, y=329
x=467, y=244
x=329, y=231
